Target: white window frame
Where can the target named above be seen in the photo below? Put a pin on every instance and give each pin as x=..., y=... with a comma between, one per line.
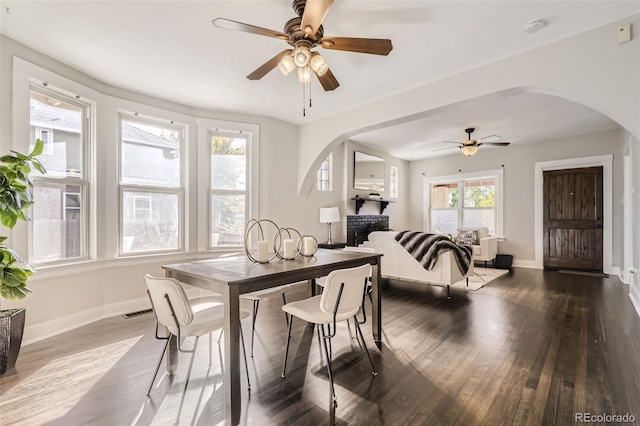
x=214, y=191
x=393, y=182
x=327, y=165
x=88, y=120
x=497, y=175
x=148, y=210
x=126, y=187
x=64, y=203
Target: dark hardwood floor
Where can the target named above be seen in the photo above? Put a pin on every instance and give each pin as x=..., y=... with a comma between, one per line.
x=533, y=347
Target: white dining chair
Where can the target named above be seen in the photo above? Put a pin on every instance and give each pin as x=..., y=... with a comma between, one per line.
x=269, y=293
x=341, y=299
x=183, y=319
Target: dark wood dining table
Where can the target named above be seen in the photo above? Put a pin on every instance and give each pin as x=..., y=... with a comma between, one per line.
x=233, y=276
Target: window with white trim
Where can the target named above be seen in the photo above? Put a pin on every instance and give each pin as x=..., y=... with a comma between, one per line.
x=393, y=182
x=151, y=176
x=325, y=173
x=60, y=215
x=228, y=187
x=469, y=201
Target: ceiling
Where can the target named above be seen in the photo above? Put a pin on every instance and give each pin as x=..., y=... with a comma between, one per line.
x=170, y=50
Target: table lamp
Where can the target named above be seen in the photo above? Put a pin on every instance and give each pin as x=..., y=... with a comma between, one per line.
x=329, y=215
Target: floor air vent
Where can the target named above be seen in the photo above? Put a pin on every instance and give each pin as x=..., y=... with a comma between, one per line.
x=135, y=314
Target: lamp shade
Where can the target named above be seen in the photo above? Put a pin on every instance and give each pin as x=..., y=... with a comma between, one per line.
x=286, y=64
x=329, y=215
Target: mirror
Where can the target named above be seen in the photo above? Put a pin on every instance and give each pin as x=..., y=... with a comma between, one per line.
x=368, y=172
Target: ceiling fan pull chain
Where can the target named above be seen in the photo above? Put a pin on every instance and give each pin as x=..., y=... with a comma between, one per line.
x=309, y=93
x=304, y=102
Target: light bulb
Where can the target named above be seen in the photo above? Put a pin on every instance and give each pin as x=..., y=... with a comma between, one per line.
x=286, y=64
x=318, y=64
x=301, y=56
x=469, y=150
x=304, y=74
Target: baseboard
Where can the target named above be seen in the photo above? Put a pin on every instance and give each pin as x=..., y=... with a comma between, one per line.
x=56, y=326
x=634, y=295
x=531, y=264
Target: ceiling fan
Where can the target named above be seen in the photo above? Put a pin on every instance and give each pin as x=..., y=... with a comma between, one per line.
x=470, y=146
x=303, y=33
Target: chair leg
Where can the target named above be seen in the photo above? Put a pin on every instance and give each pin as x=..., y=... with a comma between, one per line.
x=467, y=281
x=186, y=382
x=244, y=353
x=364, y=345
x=256, y=303
x=284, y=302
x=286, y=351
x=158, y=367
x=329, y=372
x=449, y=292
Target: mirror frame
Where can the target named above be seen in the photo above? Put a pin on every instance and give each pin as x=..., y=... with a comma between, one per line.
x=379, y=188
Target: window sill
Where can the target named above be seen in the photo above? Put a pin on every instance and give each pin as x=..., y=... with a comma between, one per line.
x=67, y=269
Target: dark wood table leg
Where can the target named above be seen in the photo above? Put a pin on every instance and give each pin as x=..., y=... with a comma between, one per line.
x=311, y=289
x=232, y=396
x=376, y=312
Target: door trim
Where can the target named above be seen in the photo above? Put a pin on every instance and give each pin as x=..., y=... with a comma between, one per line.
x=606, y=161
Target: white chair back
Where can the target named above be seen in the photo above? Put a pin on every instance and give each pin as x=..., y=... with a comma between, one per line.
x=158, y=287
x=354, y=280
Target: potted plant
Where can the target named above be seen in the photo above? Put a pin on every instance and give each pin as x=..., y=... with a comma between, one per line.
x=16, y=195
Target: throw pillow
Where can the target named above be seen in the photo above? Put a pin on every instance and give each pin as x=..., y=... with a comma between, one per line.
x=467, y=236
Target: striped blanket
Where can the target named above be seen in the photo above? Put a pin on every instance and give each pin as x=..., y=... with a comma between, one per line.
x=427, y=247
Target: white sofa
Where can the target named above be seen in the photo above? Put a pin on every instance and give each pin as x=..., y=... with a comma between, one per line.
x=487, y=247
x=398, y=263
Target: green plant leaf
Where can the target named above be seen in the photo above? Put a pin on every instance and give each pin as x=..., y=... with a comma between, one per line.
x=37, y=149
x=14, y=293
x=2, y=239
x=20, y=156
x=9, y=220
x=38, y=166
x=9, y=159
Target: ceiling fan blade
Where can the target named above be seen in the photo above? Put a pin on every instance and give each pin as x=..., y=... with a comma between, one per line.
x=375, y=46
x=314, y=13
x=228, y=24
x=490, y=138
x=495, y=143
x=267, y=66
x=459, y=143
x=328, y=81
x=449, y=147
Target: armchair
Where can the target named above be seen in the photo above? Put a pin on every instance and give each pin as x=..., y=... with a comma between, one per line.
x=485, y=247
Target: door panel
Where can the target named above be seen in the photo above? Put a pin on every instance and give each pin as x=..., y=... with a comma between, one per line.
x=573, y=219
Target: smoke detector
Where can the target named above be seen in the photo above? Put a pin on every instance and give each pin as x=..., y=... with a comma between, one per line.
x=535, y=26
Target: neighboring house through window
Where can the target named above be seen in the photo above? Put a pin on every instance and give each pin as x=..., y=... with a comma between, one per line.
x=151, y=186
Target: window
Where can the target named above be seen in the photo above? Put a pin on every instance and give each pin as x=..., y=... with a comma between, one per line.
x=46, y=136
x=393, y=182
x=228, y=188
x=60, y=215
x=151, y=191
x=324, y=174
x=470, y=200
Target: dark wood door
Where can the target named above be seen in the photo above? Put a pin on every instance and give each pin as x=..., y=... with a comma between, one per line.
x=573, y=219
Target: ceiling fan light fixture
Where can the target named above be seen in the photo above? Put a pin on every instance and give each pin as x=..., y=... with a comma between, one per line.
x=469, y=150
x=304, y=74
x=318, y=64
x=301, y=56
x=286, y=64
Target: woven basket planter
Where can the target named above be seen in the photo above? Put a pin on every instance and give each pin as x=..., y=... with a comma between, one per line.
x=11, y=329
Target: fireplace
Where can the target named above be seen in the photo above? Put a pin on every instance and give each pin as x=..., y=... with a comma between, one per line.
x=359, y=226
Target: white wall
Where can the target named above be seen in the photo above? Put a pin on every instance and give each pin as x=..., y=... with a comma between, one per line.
x=70, y=296
x=590, y=69
x=519, y=167
x=634, y=285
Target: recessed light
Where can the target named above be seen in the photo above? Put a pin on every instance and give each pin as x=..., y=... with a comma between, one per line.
x=535, y=26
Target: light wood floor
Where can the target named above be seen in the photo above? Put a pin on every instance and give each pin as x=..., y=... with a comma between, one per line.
x=533, y=347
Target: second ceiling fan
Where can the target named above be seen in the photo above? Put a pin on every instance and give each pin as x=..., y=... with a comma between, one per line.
x=303, y=33
x=470, y=146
